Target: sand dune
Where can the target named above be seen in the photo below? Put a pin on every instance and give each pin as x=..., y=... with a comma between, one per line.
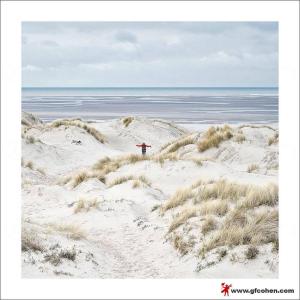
x=116, y=219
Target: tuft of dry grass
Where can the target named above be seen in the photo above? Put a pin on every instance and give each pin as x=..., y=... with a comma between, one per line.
x=180, y=143
x=209, y=224
x=215, y=207
x=221, y=189
x=142, y=180
x=251, y=252
x=257, y=196
x=85, y=205
x=79, y=178
x=274, y=139
x=198, y=161
x=260, y=228
x=77, y=122
x=240, y=138
x=29, y=165
x=253, y=167
x=31, y=242
x=182, y=246
x=179, y=198
x=65, y=180
x=55, y=258
x=182, y=217
x=25, y=123
x=214, y=136
x=127, y=121
x=41, y=171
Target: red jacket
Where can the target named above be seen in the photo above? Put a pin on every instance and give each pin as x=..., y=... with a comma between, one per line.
x=144, y=146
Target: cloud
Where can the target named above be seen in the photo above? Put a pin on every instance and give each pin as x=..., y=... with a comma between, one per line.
x=31, y=68
x=49, y=43
x=150, y=53
x=125, y=36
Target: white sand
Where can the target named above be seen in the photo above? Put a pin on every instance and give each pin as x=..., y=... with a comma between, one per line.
x=123, y=237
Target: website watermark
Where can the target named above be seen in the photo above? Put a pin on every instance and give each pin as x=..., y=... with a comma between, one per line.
x=227, y=289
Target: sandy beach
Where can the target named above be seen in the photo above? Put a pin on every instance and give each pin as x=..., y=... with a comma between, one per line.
x=203, y=202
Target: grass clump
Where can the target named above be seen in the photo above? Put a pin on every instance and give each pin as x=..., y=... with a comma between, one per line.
x=182, y=217
x=31, y=242
x=179, y=198
x=221, y=189
x=55, y=258
x=240, y=138
x=127, y=121
x=214, y=136
x=29, y=165
x=252, y=168
x=257, y=196
x=274, y=139
x=208, y=225
x=251, y=252
x=31, y=139
x=259, y=228
x=216, y=207
x=79, y=178
x=182, y=246
x=180, y=143
x=85, y=205
x=77, y=122
x=138, y=181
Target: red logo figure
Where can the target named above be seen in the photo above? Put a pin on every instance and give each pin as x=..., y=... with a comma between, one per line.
x=225, y=288
x=144, y=147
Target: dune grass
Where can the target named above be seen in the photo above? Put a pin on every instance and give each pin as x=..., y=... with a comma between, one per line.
x=182, y=246
x=84, y=205
x=77, y=122
x=29, y=164
x=208, y=225
x=173, y=147
x=179, y=198
x=215, y=207
x=79, y=178
x=259, y=228
x=240, y=138
x=30, y=241
x=127, y=121
x=214, y=136
x=29, y=139
x=229, y=211
x=251, y=252
x=253, y=167
x=138, y=181
x=274, y=139
x=257, y=196
x=182, y=218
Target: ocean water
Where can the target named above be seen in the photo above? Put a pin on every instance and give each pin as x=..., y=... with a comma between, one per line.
x=182, y=105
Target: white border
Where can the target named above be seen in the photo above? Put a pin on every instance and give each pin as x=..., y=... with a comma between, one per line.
x=13, y=13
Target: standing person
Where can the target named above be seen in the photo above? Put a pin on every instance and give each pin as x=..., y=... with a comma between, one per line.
x=144, y=148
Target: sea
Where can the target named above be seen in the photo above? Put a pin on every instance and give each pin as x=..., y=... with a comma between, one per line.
x=196, y=105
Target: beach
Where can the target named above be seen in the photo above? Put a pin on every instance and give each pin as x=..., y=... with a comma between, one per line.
x=203, y=202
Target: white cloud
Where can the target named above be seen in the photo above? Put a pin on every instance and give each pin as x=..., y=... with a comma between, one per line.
x=150, y=53
x=31, y=68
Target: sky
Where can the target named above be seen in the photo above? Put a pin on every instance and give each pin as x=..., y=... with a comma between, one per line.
x=149, y=54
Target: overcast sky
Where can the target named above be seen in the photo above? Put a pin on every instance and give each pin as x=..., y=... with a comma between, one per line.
x=114, y=54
